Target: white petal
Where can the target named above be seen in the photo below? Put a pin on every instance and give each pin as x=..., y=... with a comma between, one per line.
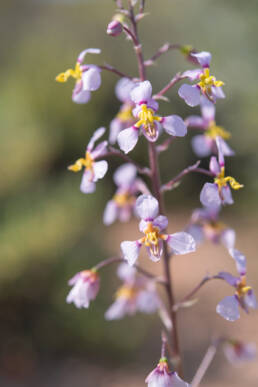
x=174, y=125
x=87, y=51
x=142, y=92
x=147, y=207
x=181, y=243
x=91, y=79
x=127, y=139
x=228, y=308
x=203, y=57
x=123, y=89
x=87, y=184
x=207, y=109
x=125, y=175
x=240, y=260
x=190, y=94
x=100, y=169
x=201, y=145
x=130, y=250
x=110, y=213
x=96, y=135
x=82, y=96
x=228, y=238
x=210, y=195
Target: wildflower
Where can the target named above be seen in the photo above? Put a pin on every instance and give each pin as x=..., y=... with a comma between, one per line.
x=237, y=352
x=162, y=377
x=85, y=288
x=244, y=296
x=124, y=117
x=114, y=28
x=148, y=122
x=218, y=193
x=136, y=294
x=205, y=144
x=94, y=170
x=205, y=224
x=152, y=225
x=122, y=204
x=87, y=77
x=207, y=84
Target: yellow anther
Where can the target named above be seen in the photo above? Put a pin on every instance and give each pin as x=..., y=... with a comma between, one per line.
x=125, y=113
x=147, y=117
x=127, y=292
x=213, y=131
x=123, y=199
x=242, y=288
x=222, y=181
x=151, y=235
x=207, y=81
x=87, y=162
x=75, y=73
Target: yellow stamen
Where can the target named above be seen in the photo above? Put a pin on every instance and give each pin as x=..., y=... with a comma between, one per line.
x=123, y=199
x=125, y=113
x=207, y=81
x=222, y=181
x=76, y=74
x=127, y=292
x=147, y=120
x=213, y=131
x=87, y=162
x=242, y=289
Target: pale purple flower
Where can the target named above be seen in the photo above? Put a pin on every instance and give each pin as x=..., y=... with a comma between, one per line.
x=244, y=296
x=87, y=77
x=162, y=377
x=148, y=122
x=207, y=84
x=85, y=288
x=137, y=294
x=124, y=117
x=152, y=226
x=121, y=206
x=238, y=352
x=218, y=193
x=94, y=170
x=205, y=144
x=114, y=28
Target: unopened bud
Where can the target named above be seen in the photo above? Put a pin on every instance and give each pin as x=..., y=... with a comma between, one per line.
x=114, y=28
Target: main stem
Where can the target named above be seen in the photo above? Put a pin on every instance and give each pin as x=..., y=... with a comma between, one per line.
x=153, y=159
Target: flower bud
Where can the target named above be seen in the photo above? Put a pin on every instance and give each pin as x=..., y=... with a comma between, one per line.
x=85, y=288
x=114, y=28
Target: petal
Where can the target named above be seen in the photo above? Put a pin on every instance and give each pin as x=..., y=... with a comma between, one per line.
x=178, y=382
x=209, y=196
x=250, y=299
x=181, y=243
x=174, y=125
x=99, y=169
x=196, y=232
x=227, y=196
x=229, y=278
x=117, y=310
x=127, y=139
x=193, y=75
x=100, y=150
x=126, y=273
x=147, y=207
x=225, y=148
x=91, y=79
x=87, y=184
x=96, y=135
x=161, y=222
x=114, y=129
x=123, y=89
x=124, y=214
x=201, y=145
x=208, y=109
x=217, y=92
x=240, y=260
x=80, y=97
x=130, y=250
x=190, y=94
x=195, y=122
x=125, y=175
x=148, y=301
x=155, y=256
x=220, y=153
x=239, y=352
x=228, y=308
x=142, y=92
x=203, y=57
x=228, y=238
x=87, y=51
x=214, y=166
x=110, y=213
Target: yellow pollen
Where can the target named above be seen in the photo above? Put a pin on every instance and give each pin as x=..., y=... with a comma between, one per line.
x=127, y=292
x=207, y=81
x=123, y=199
x=125, y=113
x=75, y=73
x=151, y=235
x=214, y=227
x=87, y=162
x=222, y=181
x=147, y=120
x=213, y=131
x=242, y=289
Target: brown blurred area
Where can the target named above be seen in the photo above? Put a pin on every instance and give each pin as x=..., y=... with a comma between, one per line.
x=49, y=230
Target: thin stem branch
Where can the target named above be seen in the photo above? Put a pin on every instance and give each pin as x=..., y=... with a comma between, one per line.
x=206, y=362
x=165, y=145
x=178, y=77
x=113, y=70
x=161, y=51
x=163, y=345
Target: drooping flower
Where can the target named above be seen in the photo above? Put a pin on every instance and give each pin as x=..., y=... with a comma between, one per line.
x=87, y=77
x=152, y=225
x=218, y=193
x=238, y=352
x=122, y=204
x=136, y=294
x=207, y=84
x=114, y=28
x=124, y=117
x=204, y=224
x=162, y=377
x=205, y=144
x=85, y=288
x=94, y=170
x=148, y=122
x=244, y=296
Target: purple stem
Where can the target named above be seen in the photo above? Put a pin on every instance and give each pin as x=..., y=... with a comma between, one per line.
x=113, y=70
x=162, y=50
x=178, y=77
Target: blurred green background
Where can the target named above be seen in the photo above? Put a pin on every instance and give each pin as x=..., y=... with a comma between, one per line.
x=49, y=230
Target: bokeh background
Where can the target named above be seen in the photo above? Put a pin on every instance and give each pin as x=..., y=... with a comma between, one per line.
x=49, y=230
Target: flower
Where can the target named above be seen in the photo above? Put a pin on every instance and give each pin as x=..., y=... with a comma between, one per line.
x=85, y=288
x=124, y=117
x=87, y=77
x=207, y=85
x=148, y=123
x=122, y=204
x=114, y=28
x=205, y=144
x=152, y=225
x=94, y=170
x=237, y=352
x=244, y=296
x=136, y=294
x=161, y=377
x=218, y=193
x=205, y=224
